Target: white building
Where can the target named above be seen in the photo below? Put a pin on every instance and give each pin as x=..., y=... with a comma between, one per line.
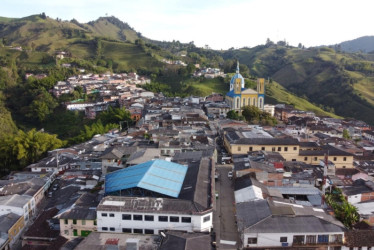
x=265, y=224
x=146, y=215
x=23, y=205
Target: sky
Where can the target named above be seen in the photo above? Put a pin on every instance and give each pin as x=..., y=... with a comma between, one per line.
x=220, y=24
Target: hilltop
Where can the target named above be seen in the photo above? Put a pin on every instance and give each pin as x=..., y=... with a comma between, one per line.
x=363, y=44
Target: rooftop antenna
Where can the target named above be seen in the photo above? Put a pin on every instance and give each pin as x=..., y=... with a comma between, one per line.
x=324, y=179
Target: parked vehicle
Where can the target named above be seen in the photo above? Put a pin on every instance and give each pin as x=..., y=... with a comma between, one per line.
x=230, y=175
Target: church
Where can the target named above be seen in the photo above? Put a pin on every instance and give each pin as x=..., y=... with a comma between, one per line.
x=239, y=96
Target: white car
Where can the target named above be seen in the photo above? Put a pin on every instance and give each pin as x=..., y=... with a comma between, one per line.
x=229, y=175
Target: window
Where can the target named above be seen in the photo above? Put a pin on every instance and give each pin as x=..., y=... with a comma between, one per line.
x=283, y=239
x=336, y=238
x=285, y=149
x=138, y=231
x=305, y=158
x=126, y=216
x=315, y=158
x=279, y=149
x=298, y=239
x=250, y=148
x=186, y=219
x=293, y=159
x=311, y=239
x=252, y=241
x=137, y=217
x=294, y=148
x=148, y=218
x=262, y=148
x=206, y=218
x=239, y=148
x=149, y=231
x=66, y=221
x=83, y=222
x=344, y=158
x=112, y=229
x=163, y=218
x=111, y=215
x=273, y=149
x=334, y=158
x=75, y=222
x=174, y=219
x=104, y=214
x=104, y=228
x=66, y=232
x=75, y=232
x=95, y=222
x=323, y=238
x=126, y=230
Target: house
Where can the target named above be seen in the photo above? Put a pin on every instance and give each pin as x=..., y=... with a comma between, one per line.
x=23, y=205
x=80, y=219
x=188, y=241
x=266, y=224
x=247, y=189
x=360, y=191
x=11, y=226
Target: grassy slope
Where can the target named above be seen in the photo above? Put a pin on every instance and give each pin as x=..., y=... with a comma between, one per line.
x=104, y=28
x=128, y=56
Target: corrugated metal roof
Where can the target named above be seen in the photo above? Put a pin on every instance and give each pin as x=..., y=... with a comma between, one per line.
x=157, y=175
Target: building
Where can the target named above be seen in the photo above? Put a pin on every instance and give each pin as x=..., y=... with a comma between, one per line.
x=271, y=224
x=80, y=219
x=239, y=96
x=158, y=195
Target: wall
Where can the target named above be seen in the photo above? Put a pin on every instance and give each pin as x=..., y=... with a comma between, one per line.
x=67, y=230
x=289, y=152
x=116, y=222
x=273, y=239
x=16, y=229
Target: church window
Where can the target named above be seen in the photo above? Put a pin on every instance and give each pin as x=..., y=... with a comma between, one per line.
x=249, y=101
x=237, y=103
x=260, y=104
x=243, y=101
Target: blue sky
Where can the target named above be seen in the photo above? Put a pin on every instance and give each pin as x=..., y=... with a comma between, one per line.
x=221, y=24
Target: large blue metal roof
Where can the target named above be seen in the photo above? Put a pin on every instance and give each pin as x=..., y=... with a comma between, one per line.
x=159, y=176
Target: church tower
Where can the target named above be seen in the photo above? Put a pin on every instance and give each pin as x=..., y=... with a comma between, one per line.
x=261, y=85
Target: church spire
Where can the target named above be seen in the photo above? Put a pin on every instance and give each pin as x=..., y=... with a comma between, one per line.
x=237, y=67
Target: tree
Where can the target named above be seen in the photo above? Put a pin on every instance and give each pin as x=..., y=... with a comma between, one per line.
x=24, y=148
x=346, y=134
x=232, y=115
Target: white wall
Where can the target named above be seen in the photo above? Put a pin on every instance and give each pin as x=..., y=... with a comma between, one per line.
x=248, y=194
x=273, y=239
x=116, y=222
x=354, y=198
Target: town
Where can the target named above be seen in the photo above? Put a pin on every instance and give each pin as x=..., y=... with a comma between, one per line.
x=185, y=176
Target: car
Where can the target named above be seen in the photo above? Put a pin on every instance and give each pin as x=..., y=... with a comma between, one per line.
x=50, y=194
x=55, y=187
x=230, y=175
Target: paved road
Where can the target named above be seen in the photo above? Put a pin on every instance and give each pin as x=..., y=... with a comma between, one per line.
x=225, y=221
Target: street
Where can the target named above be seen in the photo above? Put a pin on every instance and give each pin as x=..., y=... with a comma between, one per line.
x=227, y=236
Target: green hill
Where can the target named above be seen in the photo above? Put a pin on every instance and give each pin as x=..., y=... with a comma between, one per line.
x=341, y=82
